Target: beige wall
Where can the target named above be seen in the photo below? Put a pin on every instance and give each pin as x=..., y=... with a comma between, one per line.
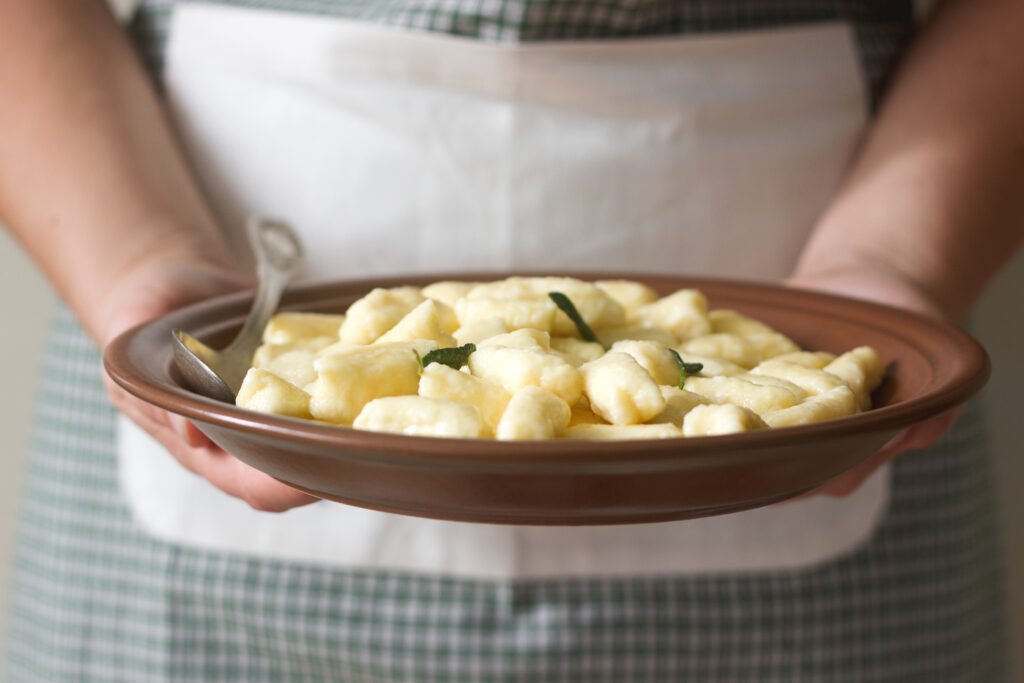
x=26, y=300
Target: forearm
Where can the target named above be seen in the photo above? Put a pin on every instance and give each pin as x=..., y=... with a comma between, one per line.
x=936, y=195
x=91, y=178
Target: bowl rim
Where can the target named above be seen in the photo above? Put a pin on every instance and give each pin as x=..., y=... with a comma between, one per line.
x=940, y=395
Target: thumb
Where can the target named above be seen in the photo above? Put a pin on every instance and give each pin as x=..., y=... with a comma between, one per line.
x=149, y=292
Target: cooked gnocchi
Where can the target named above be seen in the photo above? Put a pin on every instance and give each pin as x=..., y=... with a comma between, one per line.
x=504, y=360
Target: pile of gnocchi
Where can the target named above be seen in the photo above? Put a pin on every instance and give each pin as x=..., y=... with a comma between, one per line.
x=528, y=373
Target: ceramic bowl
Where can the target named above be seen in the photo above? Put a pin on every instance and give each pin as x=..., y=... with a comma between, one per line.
x=931, y=367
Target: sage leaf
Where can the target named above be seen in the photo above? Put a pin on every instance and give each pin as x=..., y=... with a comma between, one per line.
x=454, y=358
x=566, y=305
x=685, y=369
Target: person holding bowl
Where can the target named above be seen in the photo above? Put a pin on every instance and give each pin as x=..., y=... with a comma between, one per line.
x=828, y=145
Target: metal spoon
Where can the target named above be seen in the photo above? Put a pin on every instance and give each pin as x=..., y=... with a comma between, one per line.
x=219, y=374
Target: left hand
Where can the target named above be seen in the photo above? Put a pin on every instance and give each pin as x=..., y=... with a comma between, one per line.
x=879, y=284
x=163, y=282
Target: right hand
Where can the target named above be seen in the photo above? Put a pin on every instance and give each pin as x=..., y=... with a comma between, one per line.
x=876, y=282
x=150, y=289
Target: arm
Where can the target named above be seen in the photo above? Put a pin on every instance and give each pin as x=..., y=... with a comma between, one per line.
x=91, y=181
x=936, y=196
x=95, y=187
x=934, y=204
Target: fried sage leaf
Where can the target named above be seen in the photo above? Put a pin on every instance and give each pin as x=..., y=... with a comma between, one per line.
x=685, y=369
x=566, y=305
x=454, y=358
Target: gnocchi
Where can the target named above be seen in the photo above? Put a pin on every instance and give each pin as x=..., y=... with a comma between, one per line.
x=524, y=371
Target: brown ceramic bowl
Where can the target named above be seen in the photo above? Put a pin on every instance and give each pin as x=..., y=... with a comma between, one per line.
x=931, y=367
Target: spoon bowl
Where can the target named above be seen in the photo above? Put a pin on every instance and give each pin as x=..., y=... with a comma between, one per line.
x=219, y=374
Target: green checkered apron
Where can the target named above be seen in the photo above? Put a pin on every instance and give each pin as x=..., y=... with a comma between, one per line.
x=95, y=599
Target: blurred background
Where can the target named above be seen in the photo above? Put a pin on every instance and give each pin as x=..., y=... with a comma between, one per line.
x=27, y=303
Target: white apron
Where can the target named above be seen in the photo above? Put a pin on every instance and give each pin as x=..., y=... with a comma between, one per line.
x=397, y=152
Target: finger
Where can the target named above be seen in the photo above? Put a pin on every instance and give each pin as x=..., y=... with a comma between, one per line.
x=134, y=407
x=851, y=480
x=919, y=436
x=192, y=435
x=258, y=489
x=927, y=433
x=227, y=473
x=154, y=290
x=846, y=483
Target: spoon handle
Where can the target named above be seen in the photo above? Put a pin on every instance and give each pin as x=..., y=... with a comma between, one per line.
x=278, y=252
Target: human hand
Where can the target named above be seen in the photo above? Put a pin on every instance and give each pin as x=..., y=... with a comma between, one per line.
x=883, y=285
x=150, y=289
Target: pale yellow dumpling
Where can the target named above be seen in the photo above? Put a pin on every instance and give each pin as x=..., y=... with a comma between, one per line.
x=286, y=328
x=810, y=380
x=709, y=420
x=576, y=351
x=420, y=416
x=430, y=320
x=582, y=414
x=630, y=295
x=678, y=402
x=816, y=360
x=376, y=313
x=683, y=313
x=728, y=347
x=513, y=314
x=713, y=367
x=349, y=380
x=835, y=402
x=297, y=367
x=745, y=392
x=440, y=381
x=533, y=413
x=265, y=392
x=514, y=369
x=620, y=390
x=520, y=339
x=613, y=335
x=477, y=330
x=267, y=352
x=593, y=304
x=653, y=357
x=862, y=370
x=448, y=292
x=530, y=374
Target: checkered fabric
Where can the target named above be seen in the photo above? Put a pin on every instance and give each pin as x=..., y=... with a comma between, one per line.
x=882, y=26
x=95, y=599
